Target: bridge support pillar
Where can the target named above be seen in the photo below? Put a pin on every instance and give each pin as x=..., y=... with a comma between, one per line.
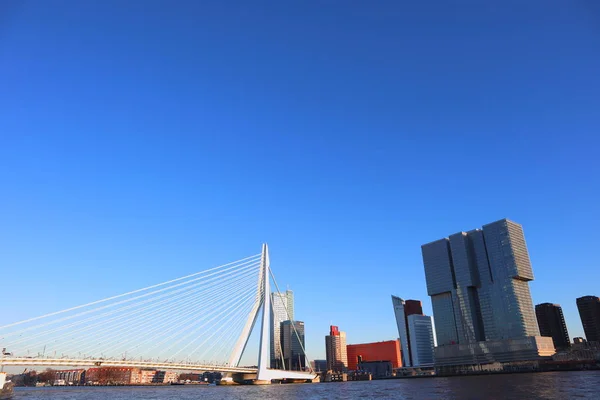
x=264, y=375
x=265, y=327
x=239, y=379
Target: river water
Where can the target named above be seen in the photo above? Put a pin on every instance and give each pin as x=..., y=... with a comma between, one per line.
x=549, y=385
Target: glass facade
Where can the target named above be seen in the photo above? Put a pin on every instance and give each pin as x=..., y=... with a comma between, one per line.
x=552, y=324
x=292, y=345
x=279, y=303
x=512, y=309
x=421, y=340
x=400, y=313
x=589, y=311
x=478, y=283
x=445, y=324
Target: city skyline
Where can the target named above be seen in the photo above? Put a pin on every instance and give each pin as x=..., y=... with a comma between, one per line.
x=502, y=247
x=165, y=146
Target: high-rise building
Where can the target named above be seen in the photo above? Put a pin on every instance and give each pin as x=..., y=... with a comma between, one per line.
x=421, y=340
x=335, y=348
x=402, y=309
x=478, y=283
x=402, y=323
x=378, y=351
x=292, y=345
x=589, y=311
x=282, y=309
x=552, y=324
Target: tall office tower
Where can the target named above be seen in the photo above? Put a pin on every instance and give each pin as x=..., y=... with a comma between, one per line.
x=280, y=302
x=589, y=311
x=478, y=283
x=421, y=340
x=292, y=345
x=402, y=323
x=402, y=309
x=335, y=349
x=552, y=324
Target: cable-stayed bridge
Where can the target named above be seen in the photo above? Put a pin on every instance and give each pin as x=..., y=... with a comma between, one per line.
x=199, y=322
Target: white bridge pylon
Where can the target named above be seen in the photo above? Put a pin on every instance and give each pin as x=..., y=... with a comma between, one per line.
x=263, y=304
x=197, y=315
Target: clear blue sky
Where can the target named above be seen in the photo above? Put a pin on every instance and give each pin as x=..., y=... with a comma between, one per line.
x=145, y=140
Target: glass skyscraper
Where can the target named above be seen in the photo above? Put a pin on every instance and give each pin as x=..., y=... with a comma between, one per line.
x=478, y=283
x=589, y=311
x=421, y=340
x=416, y=339
x=552, y=324
x=280, y=302
x=292, y=345
x=401, y=321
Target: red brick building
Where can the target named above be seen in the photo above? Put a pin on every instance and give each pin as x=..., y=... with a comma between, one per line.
x=110, y=375
x=378, y=351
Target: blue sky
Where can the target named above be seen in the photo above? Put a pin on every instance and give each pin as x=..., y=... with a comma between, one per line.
x=146, y=140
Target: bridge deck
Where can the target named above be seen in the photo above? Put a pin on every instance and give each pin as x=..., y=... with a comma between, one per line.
x=74, y=362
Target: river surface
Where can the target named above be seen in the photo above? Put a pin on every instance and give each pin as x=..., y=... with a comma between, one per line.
x=549, y=385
